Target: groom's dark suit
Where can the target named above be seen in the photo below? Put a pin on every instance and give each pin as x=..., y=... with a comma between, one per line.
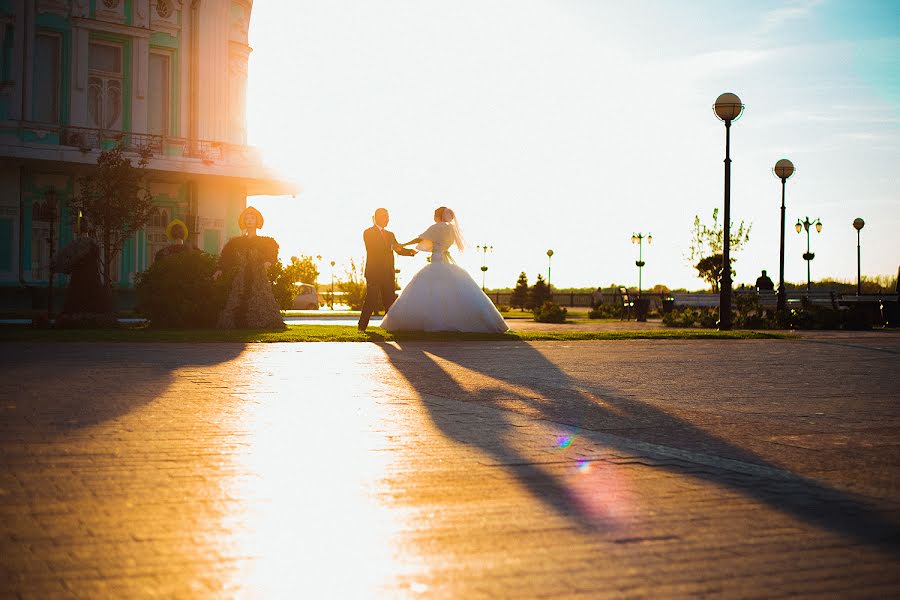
x=380, y=247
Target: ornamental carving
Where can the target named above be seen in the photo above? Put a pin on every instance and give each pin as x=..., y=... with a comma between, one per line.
x=111, y=3
x=164, y=8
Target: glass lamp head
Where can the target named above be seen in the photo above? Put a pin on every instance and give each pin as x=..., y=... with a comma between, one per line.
x=728, y=107
x=858, y=223
x=649, y=239
x=784, y=169
x=818, y=226
x=798, y=226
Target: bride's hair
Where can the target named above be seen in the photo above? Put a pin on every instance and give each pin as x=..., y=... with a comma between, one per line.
x=442, y=214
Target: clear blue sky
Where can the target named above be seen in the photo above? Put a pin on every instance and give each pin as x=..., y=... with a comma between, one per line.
x=569, y=125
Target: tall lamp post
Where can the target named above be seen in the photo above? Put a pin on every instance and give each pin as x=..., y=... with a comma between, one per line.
x=638, y=238
x=808, y=256
x=484, y=249
x=783, y=170
x=858, y=224
x=728, y=108
x=332, y=285
x=549, y=258
x=51, y=207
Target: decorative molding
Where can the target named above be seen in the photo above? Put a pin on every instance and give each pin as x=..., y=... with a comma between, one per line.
x=164, y=16
x=60, y=7
x=116, y=28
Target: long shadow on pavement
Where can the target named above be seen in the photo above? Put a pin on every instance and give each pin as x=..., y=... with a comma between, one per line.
x=540, y=389
x=66, y=387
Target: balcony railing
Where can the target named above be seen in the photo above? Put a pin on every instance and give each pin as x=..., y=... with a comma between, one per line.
x=87, y=139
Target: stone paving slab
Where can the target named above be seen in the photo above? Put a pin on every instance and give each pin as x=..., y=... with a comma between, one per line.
x=638, y=469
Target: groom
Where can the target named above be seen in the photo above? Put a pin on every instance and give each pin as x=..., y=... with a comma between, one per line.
x=380, y=247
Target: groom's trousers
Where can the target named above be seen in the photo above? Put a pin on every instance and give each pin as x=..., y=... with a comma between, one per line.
x=376, y=288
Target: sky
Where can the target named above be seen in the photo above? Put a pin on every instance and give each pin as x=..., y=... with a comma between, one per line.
x=570, y=125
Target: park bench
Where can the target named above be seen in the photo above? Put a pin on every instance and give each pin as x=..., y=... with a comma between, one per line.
x=698, y=300
x=817, y=297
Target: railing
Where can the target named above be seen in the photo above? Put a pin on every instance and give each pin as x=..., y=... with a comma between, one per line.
x=87, y=139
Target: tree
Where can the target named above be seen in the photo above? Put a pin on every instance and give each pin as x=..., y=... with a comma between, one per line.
x=284, y=278
x=519, y=296
x=116, y=203
x=540, y=293
x=707, y=247
x=354, y=287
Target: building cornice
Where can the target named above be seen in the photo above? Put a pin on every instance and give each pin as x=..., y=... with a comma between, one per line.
x=115, y=28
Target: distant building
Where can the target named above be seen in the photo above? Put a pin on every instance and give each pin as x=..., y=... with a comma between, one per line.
x=80, y=75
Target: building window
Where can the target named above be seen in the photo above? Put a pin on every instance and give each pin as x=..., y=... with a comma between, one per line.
x=156, y=234
x=6, y=53
x=41, y=216
x=105, y=101
x=46, y=78
x=159, y=93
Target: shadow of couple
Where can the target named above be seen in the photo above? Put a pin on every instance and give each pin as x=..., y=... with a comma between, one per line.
x=496, y=380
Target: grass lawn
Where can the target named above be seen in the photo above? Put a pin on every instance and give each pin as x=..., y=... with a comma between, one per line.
x=339, y=333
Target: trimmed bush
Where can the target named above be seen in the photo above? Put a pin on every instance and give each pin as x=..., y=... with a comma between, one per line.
x=550, y=312
x=179, y=291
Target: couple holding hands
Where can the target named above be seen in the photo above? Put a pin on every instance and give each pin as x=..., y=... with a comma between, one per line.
x=440, y=297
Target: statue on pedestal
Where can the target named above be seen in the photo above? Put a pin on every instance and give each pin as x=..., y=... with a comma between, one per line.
x=244, y=264
x=88, y=302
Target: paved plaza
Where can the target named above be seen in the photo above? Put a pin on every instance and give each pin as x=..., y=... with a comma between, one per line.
x=647, y=468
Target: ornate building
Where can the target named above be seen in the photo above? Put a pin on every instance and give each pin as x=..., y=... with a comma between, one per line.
x=78, y=76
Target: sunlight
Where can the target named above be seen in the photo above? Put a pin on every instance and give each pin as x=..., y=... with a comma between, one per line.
x=568, y=125
x=310, y=506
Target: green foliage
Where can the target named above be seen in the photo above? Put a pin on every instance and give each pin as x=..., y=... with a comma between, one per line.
x=114, y=202
x=550, y=312
x=604, y=311
x=519, y=297
x=689, y=316
x=284, y=279
x=540, y=293
x=354, y=287
x=705, y=252
x=179, y=291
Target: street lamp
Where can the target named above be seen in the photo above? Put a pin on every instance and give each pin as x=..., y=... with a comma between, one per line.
x=638, y=238
x=783, y=170
x=549, y=258
x=51, y=207
x=728, y=108
x=332, y=285
x=484, y=250
x=858, y=224
x=808, y=256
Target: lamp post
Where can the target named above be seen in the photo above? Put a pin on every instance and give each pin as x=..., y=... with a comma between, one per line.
x=484, y=249
x=808, y=256
x=858, y=224
x=51, y=207
x=728, y=108
x=783, y=170
x=332, y=285
x=549, y=258
x=638, y=238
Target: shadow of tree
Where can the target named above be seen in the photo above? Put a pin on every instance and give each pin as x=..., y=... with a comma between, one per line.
x=533, y=385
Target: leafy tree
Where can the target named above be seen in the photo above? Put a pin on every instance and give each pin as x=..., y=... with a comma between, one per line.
x=540, y=293
x=354, y=286
x=707, y=247
x=115, y=201
x=284, y=278
x=519, y=296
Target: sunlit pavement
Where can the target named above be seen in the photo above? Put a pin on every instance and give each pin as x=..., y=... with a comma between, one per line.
x=584, y=469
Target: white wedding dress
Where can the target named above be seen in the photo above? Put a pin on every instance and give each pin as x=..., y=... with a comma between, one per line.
x=442, y=296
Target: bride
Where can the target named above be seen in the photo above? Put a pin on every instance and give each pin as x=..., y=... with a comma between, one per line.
x=442, y=296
